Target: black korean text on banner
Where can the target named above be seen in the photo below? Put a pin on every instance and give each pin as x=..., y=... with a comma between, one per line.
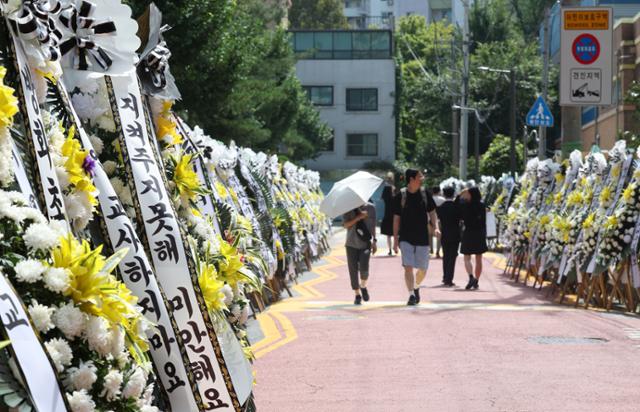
x=21, y=177
x=205, y=202
x=51, y=195
x=33, y=363
x=168, y=249
x=137, y=273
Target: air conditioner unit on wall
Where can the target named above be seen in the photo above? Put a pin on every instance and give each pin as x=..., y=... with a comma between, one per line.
x=390, y=2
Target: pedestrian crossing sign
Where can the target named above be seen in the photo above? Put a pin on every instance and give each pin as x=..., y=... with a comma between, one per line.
x=540, y=115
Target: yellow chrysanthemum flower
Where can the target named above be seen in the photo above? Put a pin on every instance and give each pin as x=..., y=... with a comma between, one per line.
x=230, y=263
x=211, y=287
x=96, y=291
x=233, y=194
x=611, y=223
x=186, y=179
x=627, y=195
x=575, y=198
x=589, y=221
x=221, y=189
x=544, y=220
x=615, y=171
x=8, y=102
x=165, y=126
x=74, y=165
x=244, y=223
x=605, y=195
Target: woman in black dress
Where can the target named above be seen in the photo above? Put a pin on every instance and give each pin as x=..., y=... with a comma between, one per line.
x=386, y=227
x=474, y=236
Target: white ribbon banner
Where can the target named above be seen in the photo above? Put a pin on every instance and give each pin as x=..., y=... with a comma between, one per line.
x=169, y=252
x=31, y=357
x=139, y=277
x=46, y=174
x=21, y=177
x=635, y=268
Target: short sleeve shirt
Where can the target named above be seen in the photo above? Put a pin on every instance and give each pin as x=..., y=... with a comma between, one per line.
x=413, y=217
x=352, y=239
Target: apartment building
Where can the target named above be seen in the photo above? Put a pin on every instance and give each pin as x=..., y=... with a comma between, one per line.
x=350, y=76
x=362, y=14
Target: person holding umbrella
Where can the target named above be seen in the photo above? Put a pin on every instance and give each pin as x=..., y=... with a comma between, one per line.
x=360, y=245
x=350, y=197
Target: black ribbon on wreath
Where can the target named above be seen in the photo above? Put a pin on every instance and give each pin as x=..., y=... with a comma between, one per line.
x=84, y=27
x=152, y=68
x=36, y=21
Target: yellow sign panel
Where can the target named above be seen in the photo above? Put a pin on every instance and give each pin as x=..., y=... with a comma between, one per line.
x=586, y=20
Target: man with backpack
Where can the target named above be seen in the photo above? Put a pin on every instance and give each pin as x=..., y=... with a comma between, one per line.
x=414, y=219
x=360, y=245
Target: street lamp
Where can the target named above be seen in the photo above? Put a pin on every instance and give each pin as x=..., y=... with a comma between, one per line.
x=512, y=125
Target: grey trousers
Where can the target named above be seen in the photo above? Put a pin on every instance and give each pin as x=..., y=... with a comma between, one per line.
x=358, y=261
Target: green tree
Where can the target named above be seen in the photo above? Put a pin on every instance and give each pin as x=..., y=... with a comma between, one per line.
x=489, y=21
x=317, y=14
x=236, y=75
x=529, y=15
x=496, y=160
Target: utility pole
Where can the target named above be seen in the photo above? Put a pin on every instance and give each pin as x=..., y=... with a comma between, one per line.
x=455, y=136
x=476, y=148
x=464, y=122
x=542, y=131
x=512, y=152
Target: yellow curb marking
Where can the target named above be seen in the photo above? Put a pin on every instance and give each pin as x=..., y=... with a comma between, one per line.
x=269, y=319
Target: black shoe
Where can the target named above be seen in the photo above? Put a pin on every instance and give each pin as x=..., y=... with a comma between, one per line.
x=390, y=253
x=412, y=300
x=358, y=300
x=475, y=283
x=472, y=281
x=365, y=294
x=416, y=293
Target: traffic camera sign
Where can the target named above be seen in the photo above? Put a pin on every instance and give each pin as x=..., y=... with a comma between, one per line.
x=586, y=56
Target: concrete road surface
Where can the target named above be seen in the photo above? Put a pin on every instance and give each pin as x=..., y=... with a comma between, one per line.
x=504, y=347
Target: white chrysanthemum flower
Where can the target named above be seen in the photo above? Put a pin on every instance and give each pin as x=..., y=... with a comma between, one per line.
x=33, y=215
x=112, y=383
x=109, y=167
x=81, y=401
x=29, y=270
x=105, y=122
x=82, y=377
x=135, y=385
x=41, y=316
x=98, y=335
x=60, y=353
x=117, y=184
x=59, y=227
x=244, y=315
x=125, y=197
x=97, y=144
x=117, y=341
x=41, y=236
x=149, y=408
x=627, y=239
x=57, y=279
x=228, y=294
x=70, y=320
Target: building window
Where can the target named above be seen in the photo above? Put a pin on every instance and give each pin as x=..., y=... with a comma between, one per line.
x=330, y=145
x=342, y=44
x=362, y=144
x=362, y=100
x=320, y=95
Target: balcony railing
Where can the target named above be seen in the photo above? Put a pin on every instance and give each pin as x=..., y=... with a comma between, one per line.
x=371, y=22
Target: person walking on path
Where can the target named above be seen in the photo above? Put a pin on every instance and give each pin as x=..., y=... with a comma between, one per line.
x=414, y=212
x=438, y=199
x=474, y=236
x=449, y=215
x=386, y=226
x=360, y=245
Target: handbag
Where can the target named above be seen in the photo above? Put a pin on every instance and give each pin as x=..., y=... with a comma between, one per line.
x=363, y=233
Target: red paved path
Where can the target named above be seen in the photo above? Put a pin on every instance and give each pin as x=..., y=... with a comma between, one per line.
x=457, y=352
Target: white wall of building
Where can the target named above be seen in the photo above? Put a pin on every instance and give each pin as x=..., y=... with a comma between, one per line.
x=343, y=74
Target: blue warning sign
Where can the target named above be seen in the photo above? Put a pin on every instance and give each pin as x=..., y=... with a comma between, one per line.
x=540, y=115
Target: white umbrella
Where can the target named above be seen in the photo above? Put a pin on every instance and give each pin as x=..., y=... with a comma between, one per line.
x=349, y=193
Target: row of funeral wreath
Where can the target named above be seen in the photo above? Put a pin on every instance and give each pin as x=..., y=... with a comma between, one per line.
x=130, y=241
x=577, y=220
